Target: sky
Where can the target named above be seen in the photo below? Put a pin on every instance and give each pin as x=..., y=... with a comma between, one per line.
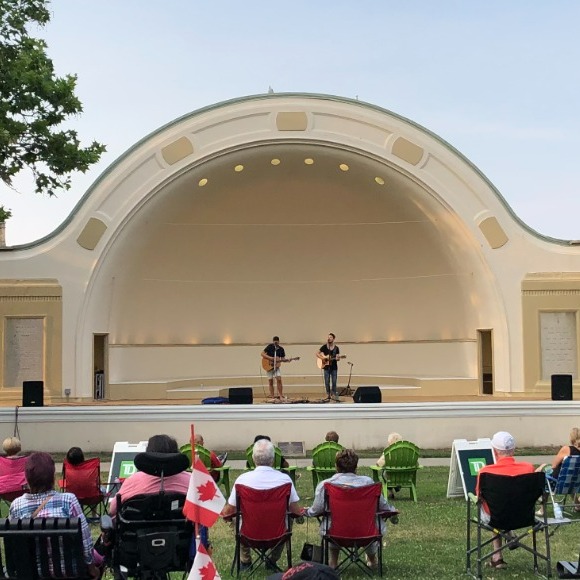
x=497, y=79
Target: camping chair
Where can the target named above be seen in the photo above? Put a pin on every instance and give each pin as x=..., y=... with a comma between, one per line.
x=151, y=535
x=290, y=470
x=262, y=523
x=355, y=524
x=204, y=454
x=566, y=484
x=42, y=548
x=511, y=501
x=84, y=481
x=400, y=469
x=12, y=478
x=324, y=461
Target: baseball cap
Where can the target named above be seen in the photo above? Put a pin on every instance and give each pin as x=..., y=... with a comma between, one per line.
x=307, y=570
x=503, y=441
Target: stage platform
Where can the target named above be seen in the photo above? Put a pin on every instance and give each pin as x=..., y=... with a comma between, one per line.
x=98, y=425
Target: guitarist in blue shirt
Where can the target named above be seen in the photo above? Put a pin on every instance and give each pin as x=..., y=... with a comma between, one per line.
x=328, y=355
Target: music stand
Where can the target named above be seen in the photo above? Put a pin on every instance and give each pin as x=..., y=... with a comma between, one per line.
x=347, y=391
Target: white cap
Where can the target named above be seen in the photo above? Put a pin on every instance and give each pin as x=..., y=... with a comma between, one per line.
x=503, y=441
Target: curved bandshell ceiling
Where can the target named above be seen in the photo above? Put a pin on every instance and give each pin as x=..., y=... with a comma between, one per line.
x=292, y=238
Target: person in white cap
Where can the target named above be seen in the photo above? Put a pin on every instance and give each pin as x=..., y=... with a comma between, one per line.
x=504, y=446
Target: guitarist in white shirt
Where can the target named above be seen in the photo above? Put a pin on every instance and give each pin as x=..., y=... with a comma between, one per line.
x=276, y=355
x=328, y=355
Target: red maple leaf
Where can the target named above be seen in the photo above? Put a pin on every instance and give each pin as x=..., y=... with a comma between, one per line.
x=208, y=572
x=207, y=491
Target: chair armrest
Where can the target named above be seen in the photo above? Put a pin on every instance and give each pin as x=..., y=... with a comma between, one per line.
x=472, y=498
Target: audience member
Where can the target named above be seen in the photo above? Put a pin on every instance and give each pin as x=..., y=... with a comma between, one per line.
x=264, y=476
x=307, y=571
x=75, y=456
x=142, y=483
x=332, y=436
x=44, y=502
x=216, y=461
x=283, y=462
x=392, y=438
x=346, y=465
x=11, y=446
x=504, y=446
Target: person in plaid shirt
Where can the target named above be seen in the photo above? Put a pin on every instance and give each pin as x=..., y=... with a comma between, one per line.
x=40, y=473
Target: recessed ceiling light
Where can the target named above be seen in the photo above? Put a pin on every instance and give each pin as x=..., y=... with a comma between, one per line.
x=309, y=161
x=202, y=182
x=380, y=180
x=344, y=167
x=275, y=162
x=238, y=168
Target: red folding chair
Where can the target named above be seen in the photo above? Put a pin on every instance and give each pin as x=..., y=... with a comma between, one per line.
x=352, y=524
x=263, y=525
x=84, y=481
x=12, y=478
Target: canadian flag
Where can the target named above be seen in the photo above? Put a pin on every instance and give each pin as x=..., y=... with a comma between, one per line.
x=204, y=501
x=203, y=568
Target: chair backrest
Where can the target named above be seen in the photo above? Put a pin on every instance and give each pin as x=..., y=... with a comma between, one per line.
x=83, y=479
x=352, y=510
x=43, y=548
x=12, y=478
x=511, y=499
x=401, y=455
x=277, y=457
x=152, y=534
x=568, y=481
x=324, y=455
x=263, y=512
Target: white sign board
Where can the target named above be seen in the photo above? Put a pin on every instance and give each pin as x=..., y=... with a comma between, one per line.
x=467, y=458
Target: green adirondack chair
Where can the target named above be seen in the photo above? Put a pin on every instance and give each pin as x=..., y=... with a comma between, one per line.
x=290, y=470
x=204, y=455
x=400, y=469
x=324, y=461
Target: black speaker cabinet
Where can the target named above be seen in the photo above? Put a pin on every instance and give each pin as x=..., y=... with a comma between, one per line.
x=241, y=396
x=367, y=395
x=33, y=393
x=561, y=387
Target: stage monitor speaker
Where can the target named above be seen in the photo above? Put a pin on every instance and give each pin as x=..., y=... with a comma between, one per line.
x=241, y=396
x=367, y=395
x=33, y=393
x=562, y=387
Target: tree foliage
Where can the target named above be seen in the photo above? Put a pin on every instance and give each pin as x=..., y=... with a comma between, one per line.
x=34, y=102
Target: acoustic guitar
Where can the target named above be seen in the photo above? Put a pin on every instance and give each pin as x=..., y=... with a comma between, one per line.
x=323, y=363
x=268, y=365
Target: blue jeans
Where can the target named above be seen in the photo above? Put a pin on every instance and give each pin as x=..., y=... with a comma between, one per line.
x=330, y=375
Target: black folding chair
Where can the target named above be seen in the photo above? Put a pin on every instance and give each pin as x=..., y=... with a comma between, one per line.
x=511, y=501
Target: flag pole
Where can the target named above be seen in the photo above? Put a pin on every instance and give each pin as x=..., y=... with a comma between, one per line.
x=192, y=444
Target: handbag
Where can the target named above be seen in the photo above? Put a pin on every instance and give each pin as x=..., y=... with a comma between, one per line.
x=311, y=552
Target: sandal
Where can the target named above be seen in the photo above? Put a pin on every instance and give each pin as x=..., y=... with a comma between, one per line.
x=497, y=564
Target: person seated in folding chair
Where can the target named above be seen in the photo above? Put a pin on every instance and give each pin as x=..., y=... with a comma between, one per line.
x=565, y=451
x=12, y=446
x=216, y=461
x=346, y=465
x=44, y=502
x=264, y=476
x=143, y=483
x=504, y=446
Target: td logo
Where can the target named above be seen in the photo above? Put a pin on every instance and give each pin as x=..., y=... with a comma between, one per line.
x=126, y=469
x=475, y=464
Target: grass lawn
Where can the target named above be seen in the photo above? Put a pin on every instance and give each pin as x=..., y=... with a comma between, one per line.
x=429, y=541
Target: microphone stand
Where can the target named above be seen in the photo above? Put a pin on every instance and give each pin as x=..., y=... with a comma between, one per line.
x=347, y=391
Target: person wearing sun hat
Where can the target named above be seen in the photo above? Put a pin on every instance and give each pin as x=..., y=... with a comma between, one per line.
x=504, y=446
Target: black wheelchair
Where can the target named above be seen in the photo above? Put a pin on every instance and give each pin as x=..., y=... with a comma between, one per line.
x=149, y=537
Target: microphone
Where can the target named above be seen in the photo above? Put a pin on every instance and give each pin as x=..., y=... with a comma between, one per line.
x=349, y=363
